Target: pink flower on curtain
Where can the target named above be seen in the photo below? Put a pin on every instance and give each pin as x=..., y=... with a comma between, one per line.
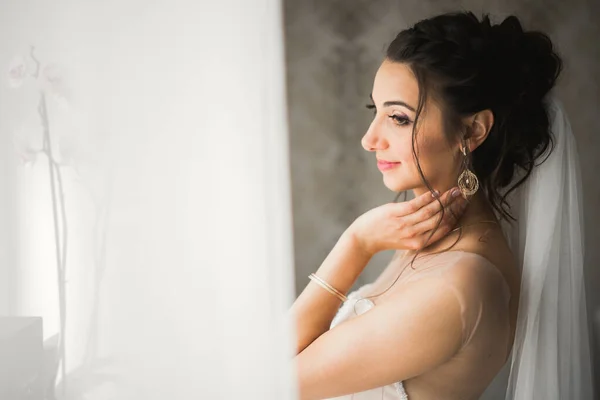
x=17, y=71
x=27, y=155
x=50, y=81
x=63, y=139
x=27, y=141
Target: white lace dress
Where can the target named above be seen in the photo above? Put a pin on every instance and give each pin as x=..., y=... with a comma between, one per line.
x=353, y=306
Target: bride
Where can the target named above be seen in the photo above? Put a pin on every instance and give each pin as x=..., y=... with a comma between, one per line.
x=464, y=119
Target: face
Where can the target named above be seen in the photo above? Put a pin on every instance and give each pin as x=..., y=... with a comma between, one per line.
x=395, y=96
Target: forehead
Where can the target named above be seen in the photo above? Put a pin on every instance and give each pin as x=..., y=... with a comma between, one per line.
x=395, y=81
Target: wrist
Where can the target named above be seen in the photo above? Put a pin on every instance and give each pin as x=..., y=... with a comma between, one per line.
x=344, y=264
x=354, y=241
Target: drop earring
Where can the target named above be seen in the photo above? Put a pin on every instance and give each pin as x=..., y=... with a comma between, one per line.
x=467, y=181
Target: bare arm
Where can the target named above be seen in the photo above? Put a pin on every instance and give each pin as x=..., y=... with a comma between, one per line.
x=391, y=226
x=315, y=308
x=411, y=333
x=326, y=366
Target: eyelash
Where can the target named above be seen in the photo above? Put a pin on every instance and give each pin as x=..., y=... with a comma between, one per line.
x=400, y=121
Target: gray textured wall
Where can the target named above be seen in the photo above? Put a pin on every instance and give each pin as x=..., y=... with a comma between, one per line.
x=333, y=49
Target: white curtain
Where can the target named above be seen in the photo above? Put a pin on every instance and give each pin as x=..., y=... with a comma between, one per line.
x=168, y=130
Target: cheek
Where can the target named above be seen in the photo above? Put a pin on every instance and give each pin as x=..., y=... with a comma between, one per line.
x=403, y=146
x=434, y=157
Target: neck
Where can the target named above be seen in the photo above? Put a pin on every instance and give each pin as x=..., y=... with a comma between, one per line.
x=478, y=210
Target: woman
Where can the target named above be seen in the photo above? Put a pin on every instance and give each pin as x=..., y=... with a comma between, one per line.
x=459, y=108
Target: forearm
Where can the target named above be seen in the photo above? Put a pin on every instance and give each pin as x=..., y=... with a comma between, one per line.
x=315, y=308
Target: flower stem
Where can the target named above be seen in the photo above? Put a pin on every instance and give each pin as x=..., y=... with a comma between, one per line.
x=60, y=255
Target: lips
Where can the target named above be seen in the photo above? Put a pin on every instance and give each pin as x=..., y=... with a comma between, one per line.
x=385, y=165
x=385, y=162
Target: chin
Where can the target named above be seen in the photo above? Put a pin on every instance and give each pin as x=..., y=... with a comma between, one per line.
x=396, y=183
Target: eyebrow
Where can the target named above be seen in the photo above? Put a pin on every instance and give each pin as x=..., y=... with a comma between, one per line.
x=394, y=103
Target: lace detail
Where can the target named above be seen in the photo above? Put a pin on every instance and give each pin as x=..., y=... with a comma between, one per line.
x=400, y=389
x=354, y=305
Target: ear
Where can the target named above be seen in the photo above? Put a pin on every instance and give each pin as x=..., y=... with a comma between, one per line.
x=479, y=126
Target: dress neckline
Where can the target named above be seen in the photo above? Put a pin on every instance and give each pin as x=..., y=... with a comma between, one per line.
x=485, y=259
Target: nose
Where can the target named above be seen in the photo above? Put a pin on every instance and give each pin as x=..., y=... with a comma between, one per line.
x=373, y=139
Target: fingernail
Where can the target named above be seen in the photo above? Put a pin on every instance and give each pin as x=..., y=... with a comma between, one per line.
x=435, y=194
x=455, y=193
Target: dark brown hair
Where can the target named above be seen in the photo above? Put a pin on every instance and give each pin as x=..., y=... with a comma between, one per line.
x=468, y=65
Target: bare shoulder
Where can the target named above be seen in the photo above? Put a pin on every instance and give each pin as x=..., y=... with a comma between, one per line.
x=475, y=273
x=470, y=276
x=493, y=251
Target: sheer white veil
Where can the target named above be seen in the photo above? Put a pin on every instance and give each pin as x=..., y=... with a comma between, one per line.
x=550, y=358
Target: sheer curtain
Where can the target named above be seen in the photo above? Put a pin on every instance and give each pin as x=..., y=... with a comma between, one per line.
x=165, y=208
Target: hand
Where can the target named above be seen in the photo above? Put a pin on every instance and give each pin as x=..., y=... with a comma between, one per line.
x=407, y=225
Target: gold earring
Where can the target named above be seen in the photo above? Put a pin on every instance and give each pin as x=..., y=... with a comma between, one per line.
x=467, y=181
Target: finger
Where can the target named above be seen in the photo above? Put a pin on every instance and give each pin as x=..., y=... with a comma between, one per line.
x=451, y=214
x=433, y=208
x=414, y=205
x=438, y=229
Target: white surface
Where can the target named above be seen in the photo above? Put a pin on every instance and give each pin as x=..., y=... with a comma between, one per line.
x=176, y=124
